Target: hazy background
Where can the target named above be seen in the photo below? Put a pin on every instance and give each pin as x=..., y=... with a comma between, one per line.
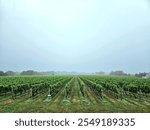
x=75, y=35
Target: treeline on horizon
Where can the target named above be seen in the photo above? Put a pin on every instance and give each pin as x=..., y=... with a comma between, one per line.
x=32, y=72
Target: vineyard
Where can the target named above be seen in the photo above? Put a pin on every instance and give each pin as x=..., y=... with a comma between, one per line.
x=74, y=94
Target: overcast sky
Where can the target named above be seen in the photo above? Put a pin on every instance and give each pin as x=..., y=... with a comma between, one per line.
x=75, y=35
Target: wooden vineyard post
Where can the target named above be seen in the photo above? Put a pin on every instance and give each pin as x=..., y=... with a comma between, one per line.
x=30, y=92
x=12, y=92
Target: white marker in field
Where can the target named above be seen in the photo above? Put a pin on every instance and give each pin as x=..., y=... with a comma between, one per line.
x=49, y=95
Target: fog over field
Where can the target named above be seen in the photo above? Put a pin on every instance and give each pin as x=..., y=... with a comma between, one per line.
x=75, y=35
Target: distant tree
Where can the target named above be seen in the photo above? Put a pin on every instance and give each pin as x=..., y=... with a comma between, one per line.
x=2, y=73
x=10, y=73
x=29, y=72
x=119, y=73
x=100, y=73
x=143, y=74
x=52, y=72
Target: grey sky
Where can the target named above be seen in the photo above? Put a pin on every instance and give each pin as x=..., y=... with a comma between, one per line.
x=75, y=35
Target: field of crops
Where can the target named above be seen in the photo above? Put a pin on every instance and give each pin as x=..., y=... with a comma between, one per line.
x=74, y=94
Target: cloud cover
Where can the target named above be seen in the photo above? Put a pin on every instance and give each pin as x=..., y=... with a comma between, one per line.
x=81, y=35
